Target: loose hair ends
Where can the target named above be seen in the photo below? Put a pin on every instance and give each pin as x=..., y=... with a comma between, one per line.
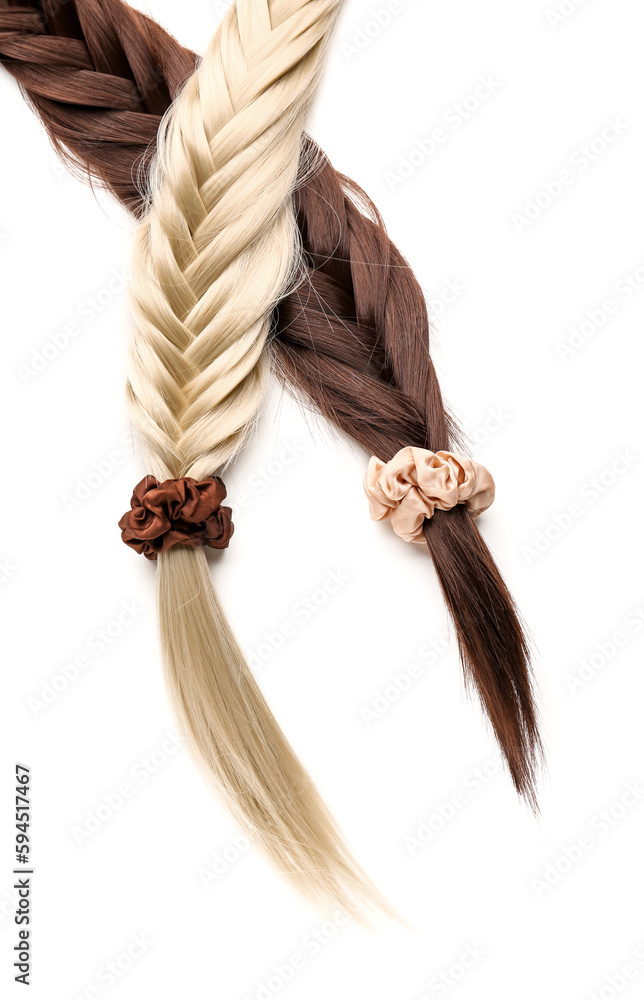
x=493, y=646
x=239, y=746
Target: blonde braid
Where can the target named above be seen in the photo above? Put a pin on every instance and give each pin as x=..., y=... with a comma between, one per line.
x=218, y=247
x=217, y=250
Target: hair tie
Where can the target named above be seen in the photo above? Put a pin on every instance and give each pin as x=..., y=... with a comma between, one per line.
x=176, y=512
x=415, y=482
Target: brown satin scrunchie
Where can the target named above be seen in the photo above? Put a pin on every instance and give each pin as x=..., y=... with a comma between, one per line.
x=176, y=512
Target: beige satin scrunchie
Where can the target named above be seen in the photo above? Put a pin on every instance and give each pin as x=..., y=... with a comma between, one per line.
x=415, y=482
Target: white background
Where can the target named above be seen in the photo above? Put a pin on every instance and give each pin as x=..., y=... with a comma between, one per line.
x=542, y=917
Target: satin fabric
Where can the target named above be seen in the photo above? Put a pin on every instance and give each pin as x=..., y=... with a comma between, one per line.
x=176, y=512
x=415, y=482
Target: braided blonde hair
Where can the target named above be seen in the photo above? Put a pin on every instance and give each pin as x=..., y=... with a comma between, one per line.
x=216, y=251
